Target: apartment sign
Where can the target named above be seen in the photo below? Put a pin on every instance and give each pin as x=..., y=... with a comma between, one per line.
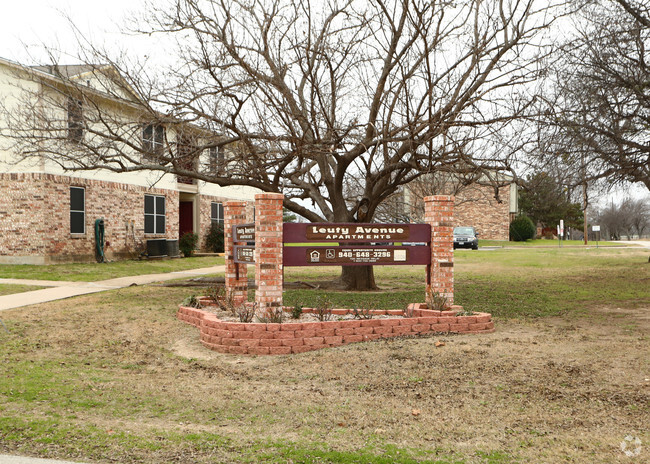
x=243, y=233
x=369, y=232
x=351, y=232
x=244, y=254
x=356, y=255
x=344, y=255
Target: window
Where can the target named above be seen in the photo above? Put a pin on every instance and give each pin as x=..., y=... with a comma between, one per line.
x=216, y=160
x=217, y=213
x=186, y=152
x=75, y=120
x=154, y=214
x=77, y=210
x=153, y=139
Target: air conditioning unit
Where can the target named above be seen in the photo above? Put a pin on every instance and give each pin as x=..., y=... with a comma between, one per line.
x=157, y=247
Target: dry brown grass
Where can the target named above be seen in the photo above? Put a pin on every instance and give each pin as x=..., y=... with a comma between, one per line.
x=545, y=391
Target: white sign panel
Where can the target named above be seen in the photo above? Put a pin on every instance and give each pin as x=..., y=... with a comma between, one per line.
x=595, y=228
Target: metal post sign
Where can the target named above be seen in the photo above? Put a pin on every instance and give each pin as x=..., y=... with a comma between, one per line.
x=243, y=233
x=342, y=252
x=244, y=254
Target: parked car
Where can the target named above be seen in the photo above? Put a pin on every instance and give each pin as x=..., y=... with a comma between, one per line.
x=465, y=237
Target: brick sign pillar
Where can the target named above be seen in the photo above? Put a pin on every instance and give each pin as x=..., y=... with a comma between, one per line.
x=268, y=250
x=439, y=213
x=234, y=212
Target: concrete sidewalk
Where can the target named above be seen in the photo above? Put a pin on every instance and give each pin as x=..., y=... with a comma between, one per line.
x=60, y=290
x=7, y=459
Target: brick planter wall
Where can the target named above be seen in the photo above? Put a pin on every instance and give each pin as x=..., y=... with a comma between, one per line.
x=298, y=337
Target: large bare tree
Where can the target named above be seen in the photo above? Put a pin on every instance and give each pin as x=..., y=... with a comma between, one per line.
x=309, y=97
x=597, y=107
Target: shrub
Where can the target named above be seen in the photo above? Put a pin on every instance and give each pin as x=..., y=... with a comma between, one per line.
x=192, y=301
x=364, y=313
x=522, y=229
x=246, y=312
x=323, y=309
x=296, y=312
x=272, y=316
x=187, y=243
x=215, y=239
x=436, y=301
x=225, y=300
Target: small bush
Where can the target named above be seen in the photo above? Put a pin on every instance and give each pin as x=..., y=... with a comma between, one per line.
x=216, y=292
x=296, y=312
x=272, y=316
x=192, y=301
x=187, y=243
x=215, y=238
x=225, y=301
x=436, y=301
x=522, y=229
x=366, y=311
x=362, y=313
x=246, y=312
x=323, y=309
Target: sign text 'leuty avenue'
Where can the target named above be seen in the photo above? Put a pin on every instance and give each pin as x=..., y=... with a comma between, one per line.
x=360, y=232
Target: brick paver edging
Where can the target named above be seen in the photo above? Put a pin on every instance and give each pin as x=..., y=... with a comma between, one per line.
x=298, y=337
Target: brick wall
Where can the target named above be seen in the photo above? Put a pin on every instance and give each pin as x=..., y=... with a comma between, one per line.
x=268, y=250
x=35, y=218
x=439, y=213
x=476, y=206
x=299, y=337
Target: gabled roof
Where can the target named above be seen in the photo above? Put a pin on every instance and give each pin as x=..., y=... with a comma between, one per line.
x=67, y=70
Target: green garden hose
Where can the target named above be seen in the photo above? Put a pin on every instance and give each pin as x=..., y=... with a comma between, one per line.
x=99, y=240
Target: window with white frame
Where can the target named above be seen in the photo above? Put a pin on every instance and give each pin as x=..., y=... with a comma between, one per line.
x=217, y=160
x=216, y=214
x=77, y=210
x=154, y=214
x=153, y=139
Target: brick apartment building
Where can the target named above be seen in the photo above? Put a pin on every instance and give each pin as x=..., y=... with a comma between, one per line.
x=48, y=214
x=476, y=204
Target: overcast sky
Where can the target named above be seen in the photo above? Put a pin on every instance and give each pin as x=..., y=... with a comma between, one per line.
x=28, y=24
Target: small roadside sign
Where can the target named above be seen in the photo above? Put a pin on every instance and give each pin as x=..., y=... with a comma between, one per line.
x=595, y=228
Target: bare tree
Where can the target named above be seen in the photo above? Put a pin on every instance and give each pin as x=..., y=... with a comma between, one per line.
x=307, y=97
x=596, y=109
x=628, y=218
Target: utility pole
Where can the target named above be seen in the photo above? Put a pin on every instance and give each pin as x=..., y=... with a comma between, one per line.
x=584, y=199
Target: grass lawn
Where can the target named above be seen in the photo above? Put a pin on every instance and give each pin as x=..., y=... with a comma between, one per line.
x=90, y=272
x=548, y=243
x=504, y=282
x=10, y=289
x=114, y=377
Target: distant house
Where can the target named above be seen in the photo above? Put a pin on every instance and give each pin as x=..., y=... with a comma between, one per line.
x=47, y=214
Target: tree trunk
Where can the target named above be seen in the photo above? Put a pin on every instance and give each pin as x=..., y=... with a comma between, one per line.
x=358, y=278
